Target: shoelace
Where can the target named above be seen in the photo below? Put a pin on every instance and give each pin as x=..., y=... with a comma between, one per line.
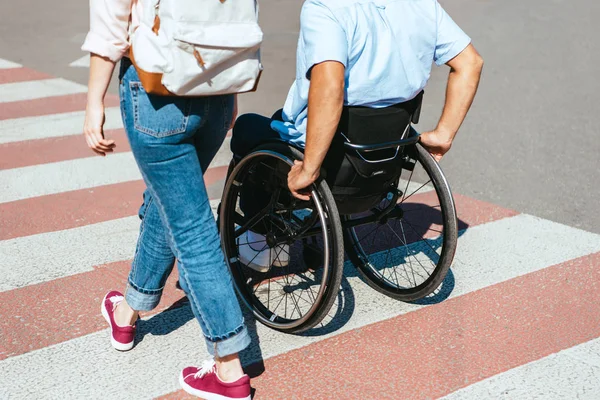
x=116, y=299
x=207, y=367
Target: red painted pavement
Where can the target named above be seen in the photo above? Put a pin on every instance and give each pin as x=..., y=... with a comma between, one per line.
x=439, y=349
x=70, y=209
x=40, y=315
x=49, y=150
x=36, y=305
x=50, y=105
x=22, y=74
x=77, y=208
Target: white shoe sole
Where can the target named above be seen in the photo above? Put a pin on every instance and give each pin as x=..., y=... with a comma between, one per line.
x=256, y=267
x=117, y=345
x=207, y=395
x=262, y=268
x=279, y=263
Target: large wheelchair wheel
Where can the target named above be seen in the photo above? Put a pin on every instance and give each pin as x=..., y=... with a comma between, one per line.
x=405, y=246
x=296, y=295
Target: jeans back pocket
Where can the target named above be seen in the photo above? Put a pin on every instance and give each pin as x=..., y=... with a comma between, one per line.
x=158, y=116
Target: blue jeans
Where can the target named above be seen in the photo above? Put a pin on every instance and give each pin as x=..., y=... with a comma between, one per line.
x=173, y=140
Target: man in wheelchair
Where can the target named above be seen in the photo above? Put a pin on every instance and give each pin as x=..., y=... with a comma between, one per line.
x=361, y=69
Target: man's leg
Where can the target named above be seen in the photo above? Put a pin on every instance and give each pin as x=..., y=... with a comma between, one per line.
x=250, y=131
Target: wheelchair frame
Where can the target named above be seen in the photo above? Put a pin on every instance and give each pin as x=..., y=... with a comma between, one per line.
x=340, y=226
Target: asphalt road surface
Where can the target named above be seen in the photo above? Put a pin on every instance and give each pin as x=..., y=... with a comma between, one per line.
x=530, y=141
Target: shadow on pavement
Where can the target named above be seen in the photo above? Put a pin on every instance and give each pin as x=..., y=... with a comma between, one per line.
x=180, y=313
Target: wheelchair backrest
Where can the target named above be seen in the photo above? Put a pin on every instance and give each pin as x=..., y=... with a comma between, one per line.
x=365, y=158
x=368, y=126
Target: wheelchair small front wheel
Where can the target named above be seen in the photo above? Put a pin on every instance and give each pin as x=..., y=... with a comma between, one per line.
x=405, y=250
x=300, y=243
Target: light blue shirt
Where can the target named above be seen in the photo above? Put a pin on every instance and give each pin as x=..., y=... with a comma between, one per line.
x=387, y=47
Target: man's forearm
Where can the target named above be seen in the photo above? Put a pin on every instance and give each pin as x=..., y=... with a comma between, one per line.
x=325, y=103
x=463, y=81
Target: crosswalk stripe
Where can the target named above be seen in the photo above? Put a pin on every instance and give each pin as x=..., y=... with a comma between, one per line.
x=68, y=233
x=66, y=252
x=68, y=210
x=83, y=62
x=40, y=180
x=40, y=258
x=73, y=209
x=12, y=75
x=50, y=150
x=49, y=105
x=36, y=89
x=579, y=365
x=55, y=125
x=53, y=213
x=48, y=330
x=5, y=64
x=37, y=326
x=521, y=245
x=468, y=338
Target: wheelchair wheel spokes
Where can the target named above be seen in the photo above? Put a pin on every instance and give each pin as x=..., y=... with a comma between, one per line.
x=291, y=292
x=403, y=264
x=407, y=253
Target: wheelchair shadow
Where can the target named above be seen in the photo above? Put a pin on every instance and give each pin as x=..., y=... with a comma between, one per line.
x=338, y=317
x=180, y=312
x=345, y=304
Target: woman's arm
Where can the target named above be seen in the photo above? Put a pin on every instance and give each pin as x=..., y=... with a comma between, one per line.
x=101, y=70
x=107, y=42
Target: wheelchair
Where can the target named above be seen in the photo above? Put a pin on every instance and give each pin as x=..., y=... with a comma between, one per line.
x=381, y=198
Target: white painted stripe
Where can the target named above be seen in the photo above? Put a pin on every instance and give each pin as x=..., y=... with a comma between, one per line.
x=39, y=180
x=521, y=245
x=37, y=89
x=63, y=176
x=40, y=258
x=5, y=64
x=570, y=374
x=83, y=62
x=47, y=256
x=55, y=125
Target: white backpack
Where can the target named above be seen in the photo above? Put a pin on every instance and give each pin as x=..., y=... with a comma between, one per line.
x=198, y=47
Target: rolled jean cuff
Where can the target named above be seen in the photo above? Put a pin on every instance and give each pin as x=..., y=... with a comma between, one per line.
x=229, y=346
x=142, y=301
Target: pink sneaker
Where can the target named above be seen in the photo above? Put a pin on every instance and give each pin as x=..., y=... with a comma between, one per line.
x=121, y=337
x=205, y=383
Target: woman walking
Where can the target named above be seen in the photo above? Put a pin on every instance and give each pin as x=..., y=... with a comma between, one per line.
x=173, y=140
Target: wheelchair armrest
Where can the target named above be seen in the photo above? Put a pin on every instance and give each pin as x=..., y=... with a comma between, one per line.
x=412, y=139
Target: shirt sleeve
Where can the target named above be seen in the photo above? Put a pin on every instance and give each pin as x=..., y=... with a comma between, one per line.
x=450, y=40
x=109, y=23
x=323, y=36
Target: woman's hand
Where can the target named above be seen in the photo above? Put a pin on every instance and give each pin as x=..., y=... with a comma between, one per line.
x=101, y=69
x=93, y=130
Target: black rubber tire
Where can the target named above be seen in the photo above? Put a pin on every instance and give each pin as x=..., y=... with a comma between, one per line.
x=450, y=239
x=333, y=284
